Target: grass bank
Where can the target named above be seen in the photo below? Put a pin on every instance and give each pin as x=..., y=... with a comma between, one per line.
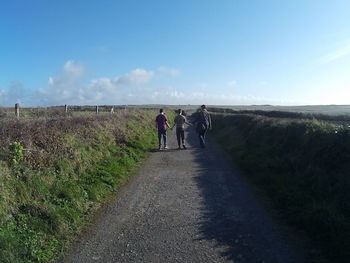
x=302, y=165
x=59, y=173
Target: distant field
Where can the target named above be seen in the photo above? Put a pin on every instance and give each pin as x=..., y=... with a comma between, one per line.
x=333, y=110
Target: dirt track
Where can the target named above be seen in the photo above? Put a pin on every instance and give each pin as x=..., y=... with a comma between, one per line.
x=186, y=206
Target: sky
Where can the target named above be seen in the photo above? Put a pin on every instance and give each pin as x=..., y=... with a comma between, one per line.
x=224, y=52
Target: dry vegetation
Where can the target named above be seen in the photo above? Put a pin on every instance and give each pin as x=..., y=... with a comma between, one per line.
x=55, y=172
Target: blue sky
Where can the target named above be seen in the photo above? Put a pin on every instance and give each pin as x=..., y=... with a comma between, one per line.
x=174, y=52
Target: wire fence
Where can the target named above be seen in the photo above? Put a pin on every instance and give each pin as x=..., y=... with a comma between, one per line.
x=78, y=110
x=65, y=110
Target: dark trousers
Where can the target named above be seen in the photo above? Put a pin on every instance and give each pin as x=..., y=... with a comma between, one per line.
x=180, y=135
x=201, y=135
x=162, y=134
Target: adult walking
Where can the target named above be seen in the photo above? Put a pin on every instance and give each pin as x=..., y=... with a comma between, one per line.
x=203, y=124
x=179, y=122
x=162, y=125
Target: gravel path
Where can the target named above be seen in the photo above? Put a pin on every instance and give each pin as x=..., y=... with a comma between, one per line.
x=186, y=206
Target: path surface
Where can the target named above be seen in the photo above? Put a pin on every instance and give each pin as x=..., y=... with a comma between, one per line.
x=185, y=206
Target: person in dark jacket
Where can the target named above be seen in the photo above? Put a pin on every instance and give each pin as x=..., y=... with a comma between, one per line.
x=203, y=124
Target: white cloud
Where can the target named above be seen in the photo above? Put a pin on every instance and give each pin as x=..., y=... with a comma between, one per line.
x=228, y=99
x=73, y=69
x=336, y=54
x=166, y=96
x=15, y=94
x=169, y=71
x=62, y=88
x=71, y=74
x=68, y=86
x=173, y=96
x=137, y=76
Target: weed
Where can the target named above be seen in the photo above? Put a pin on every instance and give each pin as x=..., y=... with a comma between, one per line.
x=16, y=150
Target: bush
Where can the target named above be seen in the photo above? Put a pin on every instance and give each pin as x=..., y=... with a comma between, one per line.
x=16, y=150
x=65, y=168
x=302, y=165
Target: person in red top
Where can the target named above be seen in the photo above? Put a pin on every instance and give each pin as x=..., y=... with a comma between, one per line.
x=162, y=125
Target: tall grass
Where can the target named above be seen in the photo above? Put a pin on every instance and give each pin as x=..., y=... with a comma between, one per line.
x=71, y=166
x=303, y=166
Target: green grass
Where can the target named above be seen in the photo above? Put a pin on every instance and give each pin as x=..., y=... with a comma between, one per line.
x=46, y=201
x=302, y=166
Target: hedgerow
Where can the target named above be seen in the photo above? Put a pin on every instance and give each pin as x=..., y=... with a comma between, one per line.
x=303, y=166
x=56, y=172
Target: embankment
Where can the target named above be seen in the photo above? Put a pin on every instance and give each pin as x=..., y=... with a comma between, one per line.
x=58, y=175
x=303, y=167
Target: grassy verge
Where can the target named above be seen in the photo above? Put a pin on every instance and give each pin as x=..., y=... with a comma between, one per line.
x=70, y=167
x=303, y=166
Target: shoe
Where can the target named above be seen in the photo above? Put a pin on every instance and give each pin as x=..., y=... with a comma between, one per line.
x=179, y=148
x=159, y=147
x=184, y=146
x=165, y=147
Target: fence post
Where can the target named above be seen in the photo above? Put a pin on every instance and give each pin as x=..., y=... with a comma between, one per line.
x=97, y=109
x=17, y=110
x=112, y=110
x=66, y=108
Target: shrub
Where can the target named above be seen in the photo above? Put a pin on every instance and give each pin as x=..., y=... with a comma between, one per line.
x=302, y=165
x=16, y=150
x=70, y=166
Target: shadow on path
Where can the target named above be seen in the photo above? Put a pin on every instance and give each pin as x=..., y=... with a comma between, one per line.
x=231, y=216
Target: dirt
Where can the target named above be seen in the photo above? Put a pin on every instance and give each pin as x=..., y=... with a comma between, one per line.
x=187, y=206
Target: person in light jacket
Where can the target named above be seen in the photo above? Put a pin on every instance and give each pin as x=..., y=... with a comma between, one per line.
x=179, y=122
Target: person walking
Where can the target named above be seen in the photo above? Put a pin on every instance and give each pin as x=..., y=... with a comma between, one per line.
x=162, y=125
x=203, y=124
x=179, y=122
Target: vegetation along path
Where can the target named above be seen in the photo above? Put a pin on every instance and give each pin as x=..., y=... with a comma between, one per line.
x=185, y=206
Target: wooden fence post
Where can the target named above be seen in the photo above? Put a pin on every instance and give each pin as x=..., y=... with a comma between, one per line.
x=96, y=109
x=66, y=108
x=112, y=110
x=17, y=110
